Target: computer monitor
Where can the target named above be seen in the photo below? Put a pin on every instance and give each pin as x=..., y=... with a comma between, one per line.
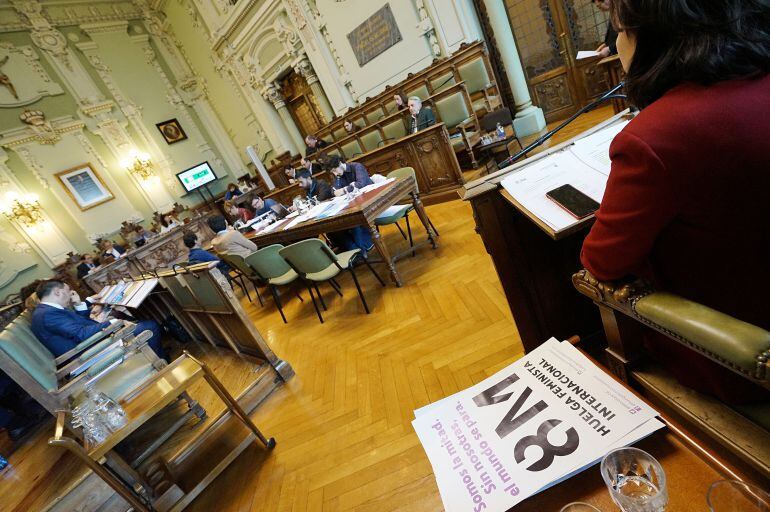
x=196, y=176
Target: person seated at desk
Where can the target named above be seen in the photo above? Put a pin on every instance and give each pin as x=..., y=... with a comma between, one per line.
x=86, y=265
x=687, y=201
x=291, y=173
x=142, y=236
x=244, y=184
x=400, y=100
x=348, y=175
x=110, y=250
x=263, y=206
x=197, y=254
x=318, y=188
x=60, y=329
x=168, y=222
x=228, y=240
x=313, y=144
x=308, y=164
x=420, y=118
x=238, y=212
x=608, y=47
x=350, y=127
x=232, y=191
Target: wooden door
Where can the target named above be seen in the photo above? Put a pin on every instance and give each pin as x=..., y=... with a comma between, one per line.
x=548, y=35
x=302, y=104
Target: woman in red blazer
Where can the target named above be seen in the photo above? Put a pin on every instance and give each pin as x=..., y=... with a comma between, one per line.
x=687, y=202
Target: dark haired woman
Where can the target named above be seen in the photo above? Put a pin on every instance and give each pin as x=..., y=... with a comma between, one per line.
x=401, y=102
x=232, y=191
x=687, y=202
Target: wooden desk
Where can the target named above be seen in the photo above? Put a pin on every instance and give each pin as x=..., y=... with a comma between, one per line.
x=362, y=211
x=534, y=263
x=159, y=252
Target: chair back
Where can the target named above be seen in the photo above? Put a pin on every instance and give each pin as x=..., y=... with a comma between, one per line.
x=443, y=81
x=333, y=151
x=394, y=129
x=26, y=351
x=490, y=120
x=404, y=172
x=340, y=133
x=308, y=256
x=267, y=262
x=351, y=149
x=475, y=76
x=207, y=292
x=452, y=109
x=236, y=261
x=374, y=115
x=371, y=139
x=421, y=92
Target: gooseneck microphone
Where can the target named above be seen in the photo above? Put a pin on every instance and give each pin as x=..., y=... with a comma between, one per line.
x=609, y=95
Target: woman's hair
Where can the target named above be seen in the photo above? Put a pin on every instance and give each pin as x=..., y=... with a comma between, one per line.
x=700, y=41
x=163, y=220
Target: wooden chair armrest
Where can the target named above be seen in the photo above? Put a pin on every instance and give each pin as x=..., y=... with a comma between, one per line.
x=88, y=342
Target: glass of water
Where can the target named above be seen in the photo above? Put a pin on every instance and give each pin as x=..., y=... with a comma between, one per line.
x=579, y=506
x=737, y=496
x=636, y=480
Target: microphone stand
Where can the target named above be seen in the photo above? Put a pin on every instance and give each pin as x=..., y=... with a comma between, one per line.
x=609, y=95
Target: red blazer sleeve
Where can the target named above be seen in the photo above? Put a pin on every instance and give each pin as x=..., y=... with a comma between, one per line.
x=638, y=203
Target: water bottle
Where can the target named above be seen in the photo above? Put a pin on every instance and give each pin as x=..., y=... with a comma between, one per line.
x=500, y=131
x=111, y=413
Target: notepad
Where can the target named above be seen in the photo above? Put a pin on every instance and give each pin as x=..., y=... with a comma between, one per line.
x=587, y=54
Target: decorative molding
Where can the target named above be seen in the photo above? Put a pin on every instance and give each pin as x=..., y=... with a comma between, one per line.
x=65, y=13
x=33, y=165
x=34, y=82
x=343, y=74
x=38, y=130
x=427, y=28
x=104, y=27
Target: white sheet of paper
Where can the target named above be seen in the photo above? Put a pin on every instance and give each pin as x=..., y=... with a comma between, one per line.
x=594, y=150
x=586, y=54
x=529, y=186
x=376, y=185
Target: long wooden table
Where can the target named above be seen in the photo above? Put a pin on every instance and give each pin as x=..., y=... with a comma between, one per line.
x=362, y=211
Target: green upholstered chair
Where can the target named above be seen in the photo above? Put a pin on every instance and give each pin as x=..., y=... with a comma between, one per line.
x=394, y=130
x=442, y=81
x=339, y=133
x=454, y=111
x=374, y=115
x=333, y=151
x=316, y=263
x=351, y=149
x=274, y=270
x=477, y=82
x=241, y=270
x=371, y=139
x=420, y=91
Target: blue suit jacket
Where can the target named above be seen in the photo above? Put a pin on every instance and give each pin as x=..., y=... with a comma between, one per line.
x=354, y=173
x=60, y=330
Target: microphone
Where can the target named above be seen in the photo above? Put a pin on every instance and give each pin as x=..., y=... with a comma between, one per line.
x=609, y=95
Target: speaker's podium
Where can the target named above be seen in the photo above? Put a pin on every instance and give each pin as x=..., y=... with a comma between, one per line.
x=534, y=244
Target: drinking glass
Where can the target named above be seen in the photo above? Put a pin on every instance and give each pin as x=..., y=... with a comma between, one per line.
x=579, y=506
x=737, y=496
x=636, y=480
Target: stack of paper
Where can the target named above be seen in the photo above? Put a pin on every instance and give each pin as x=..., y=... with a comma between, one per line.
x=539, y=421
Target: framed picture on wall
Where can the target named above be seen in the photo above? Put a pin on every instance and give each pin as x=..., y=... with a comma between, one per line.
x=172, y=131
x=84, y=186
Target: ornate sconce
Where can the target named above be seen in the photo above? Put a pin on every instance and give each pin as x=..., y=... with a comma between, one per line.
x=139, y=163
x=24, y=210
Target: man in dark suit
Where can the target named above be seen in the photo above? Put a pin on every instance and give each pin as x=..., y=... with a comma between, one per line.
x=313, y=187
x=421, y=117
x=313, y=144
x=86, y=265
x=60, y=329
x=348, y=175
x=111, y=250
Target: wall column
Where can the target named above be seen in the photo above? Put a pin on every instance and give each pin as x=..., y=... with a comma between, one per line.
x=528, y=119
x=305, y=69
x=274, y=96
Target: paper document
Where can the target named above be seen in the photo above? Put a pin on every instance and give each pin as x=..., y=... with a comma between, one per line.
x=333, y=207
x=594, y=150
x=530, y=185
x=533, y=424
x=377, y=185
x=586, y=54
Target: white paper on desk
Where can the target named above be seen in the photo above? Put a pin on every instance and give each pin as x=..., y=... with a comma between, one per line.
x=333, y=207
x=530, y=185
x=377, y=185
x=587, y=54
x=594, y=150
x=270, y=227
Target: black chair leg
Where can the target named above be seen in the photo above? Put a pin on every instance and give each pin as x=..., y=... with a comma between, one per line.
x=334, y=284
x=434, y=227
x=371, y=269
x=243, y=287
x=315, y=305
x=409, y=230
x=278, y=302
x=299, y=296
x=259, y=296
x=401, y=230
x=358, y=287
x=321, y=297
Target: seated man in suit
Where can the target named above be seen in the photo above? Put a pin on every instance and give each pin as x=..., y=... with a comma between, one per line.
x=313, y=144
x=228, y=240
x=199, y=255
x=348, y=176
x=308, y=164
x=313, y=187
x=60, y=329
x=110, y=250
x=86, y=265
x=263, y=206
x=420, y=118
x=291, y=173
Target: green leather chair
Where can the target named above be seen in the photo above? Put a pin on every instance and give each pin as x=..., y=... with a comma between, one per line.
x=339, y=133
x=460, y=122
x=351, y=149
x=477, y=82
x=394, y=130
x=442, y=81
x=371, y=139
x=316, y=263
x=236, y=264
x=374, y=115
x=274, y=270
x=420, y=91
